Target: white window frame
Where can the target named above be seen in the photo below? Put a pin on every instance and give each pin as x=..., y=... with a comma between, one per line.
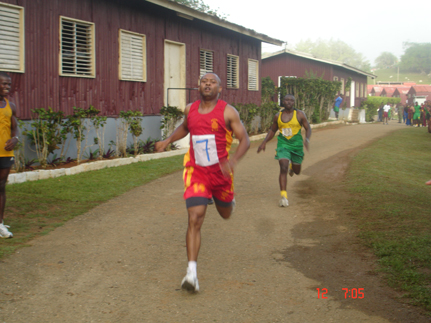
x=342, y=86
x=232, y=73
x=253, y=75
x=206, y=62
x=12, y=31
x=132, y=63
x=90, y=51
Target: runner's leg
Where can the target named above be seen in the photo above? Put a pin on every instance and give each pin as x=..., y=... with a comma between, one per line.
x=4, y=173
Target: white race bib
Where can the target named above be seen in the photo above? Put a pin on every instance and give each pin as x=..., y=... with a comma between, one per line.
x=287, y=132
x=205, y=149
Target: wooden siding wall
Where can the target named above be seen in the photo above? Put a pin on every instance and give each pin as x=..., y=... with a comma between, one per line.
x=291, y=65
x=41, y=86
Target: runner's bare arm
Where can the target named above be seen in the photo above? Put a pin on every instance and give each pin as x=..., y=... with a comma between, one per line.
x=304, y=122
x=270, y=135
x=179, y=133
x=14, y=131
x=234, y=123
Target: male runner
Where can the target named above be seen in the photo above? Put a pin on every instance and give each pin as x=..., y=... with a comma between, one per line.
x=208, y=168
x=8, y=140
x=289, y=152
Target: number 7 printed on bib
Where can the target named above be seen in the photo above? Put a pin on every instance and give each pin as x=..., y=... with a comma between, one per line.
x=205, y=149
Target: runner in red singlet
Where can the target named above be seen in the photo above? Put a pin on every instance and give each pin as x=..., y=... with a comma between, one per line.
x=208, y=169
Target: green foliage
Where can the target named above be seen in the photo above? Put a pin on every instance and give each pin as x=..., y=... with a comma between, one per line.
x=201, y=6
x=267, y=111
x=416, y=58
x=313, y=96
x=132, y=121
x=44, y=132
x=385, y=60
x=77, y=125
x=372, y=103
x=99, y=123
x=268, y=89
x=247, y=113
x=336, y=50
x=170, y=117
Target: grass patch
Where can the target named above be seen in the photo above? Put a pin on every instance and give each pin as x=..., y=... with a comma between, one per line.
x=36, y=208
x=390, y=75
x=391, y=205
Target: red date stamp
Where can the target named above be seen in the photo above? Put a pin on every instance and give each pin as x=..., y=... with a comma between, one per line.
x=348, y=293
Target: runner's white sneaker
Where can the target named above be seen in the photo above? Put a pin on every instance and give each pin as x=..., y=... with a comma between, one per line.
x=190, y=282
x=4, y=232
x=283, y=202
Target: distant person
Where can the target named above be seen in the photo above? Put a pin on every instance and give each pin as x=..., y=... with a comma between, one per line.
x=289, y=152
x=406, y=113
x=417, y=115
x=208, y=168
x=380, y=113
x=8, y=140
x=410, y=112
x=337, y=104
x=400, y=112
x=386, y=110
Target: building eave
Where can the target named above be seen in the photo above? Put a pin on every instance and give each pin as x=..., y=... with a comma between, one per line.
x=189, y=13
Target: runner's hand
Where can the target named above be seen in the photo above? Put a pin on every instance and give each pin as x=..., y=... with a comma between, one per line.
x=160, y=146
x=227, y=167
x=261, y=147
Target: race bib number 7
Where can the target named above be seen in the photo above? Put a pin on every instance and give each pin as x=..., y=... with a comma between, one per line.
x=205, y=149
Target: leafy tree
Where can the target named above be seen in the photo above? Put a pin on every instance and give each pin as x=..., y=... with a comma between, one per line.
x=416, y=58
x=336, y=50
x=385, y=60
x=201, y=6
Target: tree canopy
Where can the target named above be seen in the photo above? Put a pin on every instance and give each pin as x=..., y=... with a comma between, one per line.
x=336, y=50
x=385, y=60
x=416, y=58
x=201, y=6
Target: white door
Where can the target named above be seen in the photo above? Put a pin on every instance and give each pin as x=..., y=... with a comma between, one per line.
x=175, y=79
x=352, y=94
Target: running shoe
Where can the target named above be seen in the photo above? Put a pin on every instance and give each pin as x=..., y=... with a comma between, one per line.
x=283, y=202
x=210, y=201
x=4, y=232
x=190, y=282
x=290, y=170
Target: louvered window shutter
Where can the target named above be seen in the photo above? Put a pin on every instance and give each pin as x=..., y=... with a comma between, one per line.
x=77, y=50
x=132, y=56
x=11, y=39
x=206, y=62
x=232, y=71
x=253, y=67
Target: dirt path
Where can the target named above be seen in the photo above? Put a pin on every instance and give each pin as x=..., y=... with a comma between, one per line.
x=124, y=260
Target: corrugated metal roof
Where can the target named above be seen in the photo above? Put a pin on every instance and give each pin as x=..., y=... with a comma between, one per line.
x=327, y=61
x=189, y=13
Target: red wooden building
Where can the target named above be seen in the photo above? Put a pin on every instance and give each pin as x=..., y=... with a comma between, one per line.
x=122, y=55
x=388, y=91
x=401, y=92
x=419, y=93
x=295, y=64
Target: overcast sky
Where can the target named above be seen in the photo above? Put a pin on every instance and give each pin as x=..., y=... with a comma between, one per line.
x=370, y=27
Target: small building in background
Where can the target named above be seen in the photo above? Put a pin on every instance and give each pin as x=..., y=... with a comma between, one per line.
x=418, y=93
x=401, y=92
x=388, y=91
